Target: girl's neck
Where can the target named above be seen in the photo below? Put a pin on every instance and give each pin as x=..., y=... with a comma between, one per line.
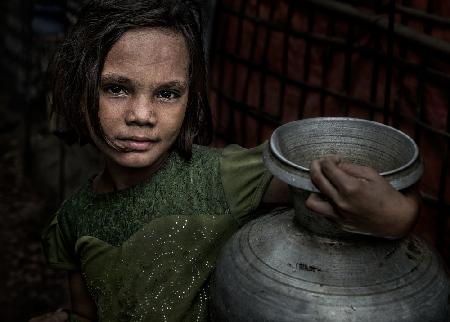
x=115, y=177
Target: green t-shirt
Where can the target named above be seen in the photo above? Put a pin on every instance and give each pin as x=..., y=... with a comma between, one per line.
x=146, y=253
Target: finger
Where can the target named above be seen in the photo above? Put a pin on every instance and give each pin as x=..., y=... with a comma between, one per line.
x=60, y=316
x=321, y=206
x=337, y=177
x=335, y=158
x=41, y=318
x=352, y=229
x=321, y=181
x=358, y=171
x=35, y=319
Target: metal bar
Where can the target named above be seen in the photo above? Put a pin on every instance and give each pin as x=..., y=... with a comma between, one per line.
x=361, y=103
x=285, y=59
x=274, y=121
x=262, y=83
x=402, y=32
x=390, y=53
x=338, y=43
x=348, y=65
x=401, y=77
x=441, y=205
x=401, y=65
x=249, y=71
x=424, y=126
x=433, y=202
x=441, y=226
x=306, y=64
x=418, y=14
x=221, y=63
x=421, y=84
x=376, y=66
x=309, y=87
x=420, y=106
x=326, y=62
x=210, y=10
x=374, y=79
x=314, y=37
x=300, y=83
x=252, y=58
x=432, y=75
x=236, y=49
x=243, y=108
x=237, y=45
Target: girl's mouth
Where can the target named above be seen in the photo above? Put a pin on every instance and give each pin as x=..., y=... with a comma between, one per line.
x=136, y=143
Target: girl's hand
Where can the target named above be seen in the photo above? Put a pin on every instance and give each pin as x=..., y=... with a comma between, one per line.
x=359, y=200
x=57, y=316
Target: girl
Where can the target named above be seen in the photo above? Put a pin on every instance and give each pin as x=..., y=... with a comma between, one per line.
x=140, y=239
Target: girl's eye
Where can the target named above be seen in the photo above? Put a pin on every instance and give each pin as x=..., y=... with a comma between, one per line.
x=115, y=90
x=168, y=95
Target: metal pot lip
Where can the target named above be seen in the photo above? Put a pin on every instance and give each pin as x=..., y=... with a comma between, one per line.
x=276, y=150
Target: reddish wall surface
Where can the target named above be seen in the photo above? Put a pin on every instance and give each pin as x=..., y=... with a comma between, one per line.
x=253, y=89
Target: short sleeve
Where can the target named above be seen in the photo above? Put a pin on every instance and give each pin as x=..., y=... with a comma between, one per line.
x=56, y=250
x=244, y=178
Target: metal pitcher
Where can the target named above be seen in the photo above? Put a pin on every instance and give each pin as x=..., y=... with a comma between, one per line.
x=295, y=265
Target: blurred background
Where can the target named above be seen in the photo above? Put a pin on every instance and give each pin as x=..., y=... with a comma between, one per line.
x=271, y=61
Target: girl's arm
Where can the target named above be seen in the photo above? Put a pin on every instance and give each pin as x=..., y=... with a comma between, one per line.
x=357, y=198
x=82, y=305
x=83, y=308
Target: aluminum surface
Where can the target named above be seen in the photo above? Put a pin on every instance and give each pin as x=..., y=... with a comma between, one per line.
x=273, y=270
x=294, y=145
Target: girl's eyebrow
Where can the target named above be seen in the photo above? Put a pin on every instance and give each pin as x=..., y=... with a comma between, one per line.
x=111, y=78
x=172, y=84
x=114, y=79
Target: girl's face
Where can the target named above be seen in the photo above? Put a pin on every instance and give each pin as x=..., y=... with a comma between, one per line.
x=143, y=96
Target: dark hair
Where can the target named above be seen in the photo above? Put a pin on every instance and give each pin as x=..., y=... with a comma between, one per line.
x=77, y=65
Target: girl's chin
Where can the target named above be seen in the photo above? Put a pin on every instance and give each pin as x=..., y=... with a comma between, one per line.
x=135, y=163
x=136, y=160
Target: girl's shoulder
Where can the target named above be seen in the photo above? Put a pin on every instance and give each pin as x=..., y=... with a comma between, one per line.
x=202, y=153
x=229, y=153
x=79, y=198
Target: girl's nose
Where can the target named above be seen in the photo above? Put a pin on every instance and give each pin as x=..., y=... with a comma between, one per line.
x=142, y=112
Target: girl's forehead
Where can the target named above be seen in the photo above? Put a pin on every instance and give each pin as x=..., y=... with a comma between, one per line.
x=149, y=40
x=148, y=50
